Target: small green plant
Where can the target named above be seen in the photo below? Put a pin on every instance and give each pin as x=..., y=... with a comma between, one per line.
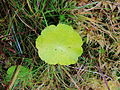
x=17, y=74
x=22, y=73
x=59, y=45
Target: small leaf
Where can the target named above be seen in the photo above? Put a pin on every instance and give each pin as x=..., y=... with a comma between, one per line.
x=59, y=45
x=102, y=51
x=22, y=74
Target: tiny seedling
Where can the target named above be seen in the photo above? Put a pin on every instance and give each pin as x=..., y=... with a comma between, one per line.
x=59, y=45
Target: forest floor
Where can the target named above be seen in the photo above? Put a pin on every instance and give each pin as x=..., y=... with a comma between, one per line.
x=97, y=22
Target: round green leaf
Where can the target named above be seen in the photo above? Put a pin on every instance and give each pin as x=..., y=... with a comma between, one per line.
x=59, y=45
x=23, y=72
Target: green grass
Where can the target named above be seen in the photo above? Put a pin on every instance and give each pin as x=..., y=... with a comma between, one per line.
x=21, y=21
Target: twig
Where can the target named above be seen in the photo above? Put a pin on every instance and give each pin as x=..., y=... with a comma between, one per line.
x=106, y=83
x=14, y=77
x=27, y=24
x=71, y=78
x=91, y=72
